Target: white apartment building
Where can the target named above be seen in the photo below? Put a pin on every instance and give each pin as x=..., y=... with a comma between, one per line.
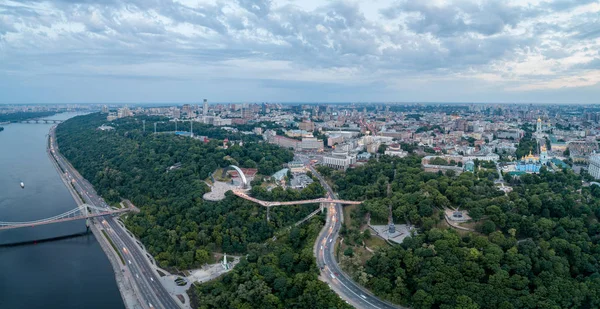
x=594, y=166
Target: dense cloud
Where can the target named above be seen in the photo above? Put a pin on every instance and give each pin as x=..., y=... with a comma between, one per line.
x=298, y=50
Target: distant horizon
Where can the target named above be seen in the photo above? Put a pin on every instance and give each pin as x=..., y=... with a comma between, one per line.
x=301, y=102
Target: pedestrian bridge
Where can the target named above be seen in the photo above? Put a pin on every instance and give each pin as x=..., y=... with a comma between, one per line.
x=84, y=211
x=321, y=201
x=313, y=201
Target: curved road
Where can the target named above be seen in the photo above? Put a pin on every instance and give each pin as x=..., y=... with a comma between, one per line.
x=151, y=292
x=337, y=279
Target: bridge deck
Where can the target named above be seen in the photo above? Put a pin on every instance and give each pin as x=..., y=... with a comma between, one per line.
x=313, y=201
x=8, y=225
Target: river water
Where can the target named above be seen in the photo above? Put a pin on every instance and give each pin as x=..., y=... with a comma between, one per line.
x=67, y=274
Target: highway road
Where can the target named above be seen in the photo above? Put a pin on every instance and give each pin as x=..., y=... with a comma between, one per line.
x=331, y=272
x=137, y=267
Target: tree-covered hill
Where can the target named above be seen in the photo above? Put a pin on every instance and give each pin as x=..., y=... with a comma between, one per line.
x=178, y=227
x=275, y=275
x=539, y=246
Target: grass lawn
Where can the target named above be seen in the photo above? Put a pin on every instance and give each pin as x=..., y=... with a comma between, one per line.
x=375, y=242
x=347, y=210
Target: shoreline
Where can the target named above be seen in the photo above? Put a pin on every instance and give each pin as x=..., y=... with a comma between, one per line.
x=127, y=289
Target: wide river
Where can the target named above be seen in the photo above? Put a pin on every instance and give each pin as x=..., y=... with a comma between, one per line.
x=67, y=274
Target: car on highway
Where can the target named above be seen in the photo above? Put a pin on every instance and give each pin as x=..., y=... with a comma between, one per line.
x=151, y=279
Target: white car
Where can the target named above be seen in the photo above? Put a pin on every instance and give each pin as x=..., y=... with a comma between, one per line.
x=129, y=262
x=151, y=279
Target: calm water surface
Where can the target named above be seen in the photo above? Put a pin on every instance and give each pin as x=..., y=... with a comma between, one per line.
x=67, y=274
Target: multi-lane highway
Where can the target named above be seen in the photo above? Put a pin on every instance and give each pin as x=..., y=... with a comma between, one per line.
x=339, y=281
x=151, y=292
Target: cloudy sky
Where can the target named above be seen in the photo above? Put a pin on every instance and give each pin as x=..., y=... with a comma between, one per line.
x=299, y=51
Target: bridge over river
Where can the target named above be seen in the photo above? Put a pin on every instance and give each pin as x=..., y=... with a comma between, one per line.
x=84, y=211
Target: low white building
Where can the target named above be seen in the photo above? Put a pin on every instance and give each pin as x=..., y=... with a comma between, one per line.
x=395, y=151
x=339, y=159
x=485, y=157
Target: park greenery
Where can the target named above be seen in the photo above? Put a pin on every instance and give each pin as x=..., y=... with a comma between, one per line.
x=20, y=116
x=177, y=226
x=277, y=268
x=277, y=274
x=535, y=247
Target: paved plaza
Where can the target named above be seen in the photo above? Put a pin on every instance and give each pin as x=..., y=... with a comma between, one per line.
x=402, y=231
x=217, y=191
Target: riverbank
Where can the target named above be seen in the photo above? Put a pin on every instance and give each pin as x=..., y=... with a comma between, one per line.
x=127, y=289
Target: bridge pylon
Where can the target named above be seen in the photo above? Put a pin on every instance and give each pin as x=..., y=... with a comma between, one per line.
x=87, y=220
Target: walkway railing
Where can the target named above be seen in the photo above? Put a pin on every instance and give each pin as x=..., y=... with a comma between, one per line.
x=84, y=211
x=313, y=201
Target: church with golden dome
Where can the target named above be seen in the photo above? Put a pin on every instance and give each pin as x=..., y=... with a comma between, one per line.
x=532, y=163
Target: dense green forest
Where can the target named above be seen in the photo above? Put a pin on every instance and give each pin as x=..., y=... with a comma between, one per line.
x=178, y=227
x=537, y=247
x=19, y=116
x=280, y=274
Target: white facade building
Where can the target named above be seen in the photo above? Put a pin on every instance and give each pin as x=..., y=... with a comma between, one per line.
x=487, y=157
x=594, y=167
x=339, y=159
x=311, y=143
x=395, y=151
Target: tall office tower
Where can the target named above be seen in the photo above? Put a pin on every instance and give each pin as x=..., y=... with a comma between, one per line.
x=205, y=108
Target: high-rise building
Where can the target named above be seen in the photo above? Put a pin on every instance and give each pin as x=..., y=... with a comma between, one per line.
x=176, y=113
x=247, y=113
x=205, y=108
x=187, y=109
x=124, y=112
x=104, y=109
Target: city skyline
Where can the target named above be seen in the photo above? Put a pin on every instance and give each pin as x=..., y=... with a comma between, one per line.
x=300, y=51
